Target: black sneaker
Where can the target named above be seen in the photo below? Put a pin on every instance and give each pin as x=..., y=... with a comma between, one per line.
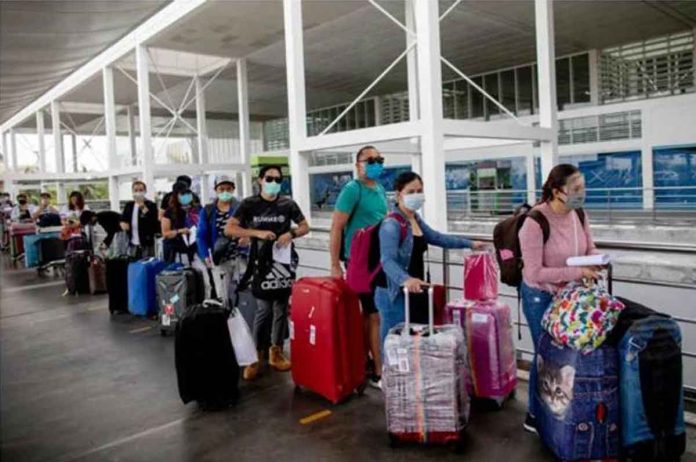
x=530, y=424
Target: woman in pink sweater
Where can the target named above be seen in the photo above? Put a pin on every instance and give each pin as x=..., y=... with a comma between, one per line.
x=545, y=269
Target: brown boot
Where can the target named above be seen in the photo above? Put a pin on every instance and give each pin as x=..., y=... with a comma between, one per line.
x=277, y=360
x=251, y=371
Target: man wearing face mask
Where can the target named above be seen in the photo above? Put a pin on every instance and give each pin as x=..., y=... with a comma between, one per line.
x=268, y=217
x=361, y=203
x=139, y=221
x=44, y=210
x=211, y=233
x=23, y=211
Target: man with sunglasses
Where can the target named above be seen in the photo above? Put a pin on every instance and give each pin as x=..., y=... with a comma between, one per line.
x=361, y=203
x=267, y=217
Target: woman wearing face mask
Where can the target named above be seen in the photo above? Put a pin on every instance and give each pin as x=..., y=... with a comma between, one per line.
x=545, y=270
x=178, y=221
x=402, y=259
x=139, y=221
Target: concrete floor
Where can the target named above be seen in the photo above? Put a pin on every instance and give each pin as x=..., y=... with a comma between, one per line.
x=78, y=384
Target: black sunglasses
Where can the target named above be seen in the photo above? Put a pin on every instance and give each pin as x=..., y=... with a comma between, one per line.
x=271, y=179
x=374, y=160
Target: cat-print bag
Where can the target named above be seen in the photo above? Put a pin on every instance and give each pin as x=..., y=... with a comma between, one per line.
x=581, y=316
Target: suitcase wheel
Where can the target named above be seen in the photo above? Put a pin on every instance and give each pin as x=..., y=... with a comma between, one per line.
x=297, y=389
x=163, y=332
x=394, y=441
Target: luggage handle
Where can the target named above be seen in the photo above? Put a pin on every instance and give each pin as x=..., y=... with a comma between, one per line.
x=407, y=311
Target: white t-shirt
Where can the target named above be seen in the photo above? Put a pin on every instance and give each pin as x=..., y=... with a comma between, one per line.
x=14, y=215
x=65, y=212
x=135, y=235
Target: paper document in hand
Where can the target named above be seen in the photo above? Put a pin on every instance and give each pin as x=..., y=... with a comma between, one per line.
x=589, y=260
x=282, y=254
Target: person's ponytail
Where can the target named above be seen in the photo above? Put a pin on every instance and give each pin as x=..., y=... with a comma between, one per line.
x=558, y=177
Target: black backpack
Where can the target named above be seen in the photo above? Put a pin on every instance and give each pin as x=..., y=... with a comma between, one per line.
x=507, y=242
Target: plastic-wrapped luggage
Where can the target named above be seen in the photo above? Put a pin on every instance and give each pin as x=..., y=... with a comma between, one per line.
x=117, y=284
x=480, y=277
x=326, y=338
x=487, y=328
x=142, y=293
x=177, y=289
x=424, y=382
x=97, y=275
x=578, y=401
x=206, y=367
x=77, y=272
x=650, y=377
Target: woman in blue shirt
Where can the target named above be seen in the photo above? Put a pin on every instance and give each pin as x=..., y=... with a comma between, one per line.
x=402, y=259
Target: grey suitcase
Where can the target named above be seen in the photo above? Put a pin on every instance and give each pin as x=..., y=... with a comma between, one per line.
x=424, y=382
x=177, y=290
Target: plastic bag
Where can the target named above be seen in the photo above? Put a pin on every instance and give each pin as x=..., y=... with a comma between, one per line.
x=119, y=245
x=480, y=277
x=581, y=316
x=242, y=342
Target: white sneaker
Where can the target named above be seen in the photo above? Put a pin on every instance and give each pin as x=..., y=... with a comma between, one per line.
x=375, y=383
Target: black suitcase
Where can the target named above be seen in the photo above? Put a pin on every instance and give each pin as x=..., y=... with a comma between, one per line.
x=76, y=272
x=206, y=366
x=117, y=284
x=176, y=291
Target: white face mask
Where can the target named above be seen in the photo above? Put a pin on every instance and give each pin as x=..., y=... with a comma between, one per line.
x=138, y=195
x=413, y=201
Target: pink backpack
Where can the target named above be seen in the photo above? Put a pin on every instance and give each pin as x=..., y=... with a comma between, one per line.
x=364, y=263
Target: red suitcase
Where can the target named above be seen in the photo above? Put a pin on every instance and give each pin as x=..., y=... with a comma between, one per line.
x=326, y=338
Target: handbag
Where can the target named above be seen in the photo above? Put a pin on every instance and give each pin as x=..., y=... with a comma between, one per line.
x=242, y=341
x=581, y=316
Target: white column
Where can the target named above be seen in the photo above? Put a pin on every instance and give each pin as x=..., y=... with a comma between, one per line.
x=110, y=127
x=57, y=137
x=531, y=177
x=73, y=139
x=244, y=127
x=646, y=161
x=430, y=102
x=130, y=115
x=40, y=132
x=297, y=109
x=412, y=71
x=594, y=77
x=202, y=138
x=60, y=193
x=143, y=69
x=5, y=152
x=13, y=149
x=546, y=60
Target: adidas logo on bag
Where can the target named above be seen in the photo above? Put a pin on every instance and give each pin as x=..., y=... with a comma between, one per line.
x=278, y=278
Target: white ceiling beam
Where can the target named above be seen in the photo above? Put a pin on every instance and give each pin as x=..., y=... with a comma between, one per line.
x=362, y=136
x=158, y=23
x=244, y=124
x=499, y=130
x=74, y=107
x=144, y=116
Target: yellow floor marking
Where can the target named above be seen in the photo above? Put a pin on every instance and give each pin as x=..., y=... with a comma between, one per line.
x=314, y=417
x=137, y=331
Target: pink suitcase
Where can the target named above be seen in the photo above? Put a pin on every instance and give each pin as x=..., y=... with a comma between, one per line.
x=480, y=277
x=488, y=331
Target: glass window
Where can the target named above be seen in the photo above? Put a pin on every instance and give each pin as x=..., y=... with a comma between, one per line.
x=370, y=113
x=562, y=82
x=461, y=99
x=507, y=82
x=581, y=78
x=448, y=100
x=491, y=87
x=524, y=90
x=476, y=99
x=675, y=177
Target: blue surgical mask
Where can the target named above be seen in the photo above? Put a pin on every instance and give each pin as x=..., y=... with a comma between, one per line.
x=185, y=199
x=373, y=171
x=575, y=200
x=225, y=196
x=272, y=189
x=413, y=201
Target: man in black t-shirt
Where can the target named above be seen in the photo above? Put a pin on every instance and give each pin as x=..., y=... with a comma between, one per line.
x=268, y=217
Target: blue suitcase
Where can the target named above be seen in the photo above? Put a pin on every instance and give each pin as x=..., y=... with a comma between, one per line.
x=650, y=376
x=578, y=401
x=142, y=288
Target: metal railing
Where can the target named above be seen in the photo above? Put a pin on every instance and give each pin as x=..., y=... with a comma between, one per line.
x=607, y=204
x=446, y=264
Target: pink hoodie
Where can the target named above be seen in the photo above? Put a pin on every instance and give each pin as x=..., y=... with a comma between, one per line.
x=545, y=264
